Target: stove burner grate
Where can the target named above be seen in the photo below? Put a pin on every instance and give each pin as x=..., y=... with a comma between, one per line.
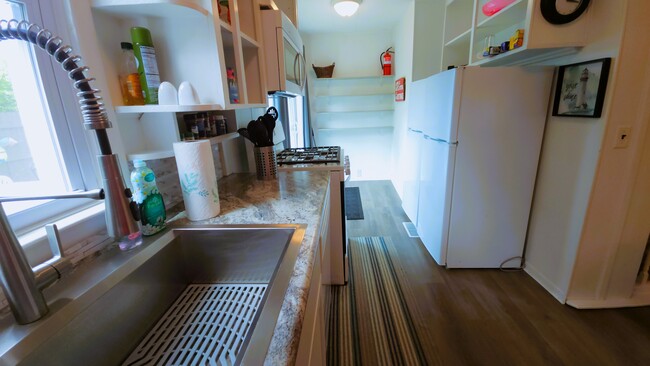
x=309, y=155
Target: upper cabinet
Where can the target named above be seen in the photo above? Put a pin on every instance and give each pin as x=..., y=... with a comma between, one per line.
x=468, y=32
x=288, y=7
x=215, y=47
x=192, y=43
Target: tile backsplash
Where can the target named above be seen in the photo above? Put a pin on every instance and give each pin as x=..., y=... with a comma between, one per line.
x=167, y=176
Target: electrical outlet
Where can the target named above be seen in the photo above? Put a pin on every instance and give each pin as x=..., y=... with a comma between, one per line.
x=622, y=137
x=359, y=172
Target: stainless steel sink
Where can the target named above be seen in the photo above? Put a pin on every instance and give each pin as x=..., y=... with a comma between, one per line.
x=195, y=295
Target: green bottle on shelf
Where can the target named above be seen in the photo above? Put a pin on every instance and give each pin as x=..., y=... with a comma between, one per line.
x=148, y=198
x=147, y=64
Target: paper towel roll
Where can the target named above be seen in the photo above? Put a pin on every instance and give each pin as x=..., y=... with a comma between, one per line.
x=198, y=179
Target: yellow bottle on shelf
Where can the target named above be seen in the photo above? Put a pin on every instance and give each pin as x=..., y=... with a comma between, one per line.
x=129, y=78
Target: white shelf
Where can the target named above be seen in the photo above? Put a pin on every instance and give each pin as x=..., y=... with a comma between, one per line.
x=495, y=59
x=162, y=154
x=152, y=8
x=225, y=26
x=368, y=95
x=461, y=39
x=523, y=56
x=349, y=122
x=377, y=77
x=334, y=113
x=360, y=112
x=248, y=41
x=344, y=130
x=155, y=108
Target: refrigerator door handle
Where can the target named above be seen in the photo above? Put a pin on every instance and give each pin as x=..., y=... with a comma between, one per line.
x=303, y=70
x=427, y=137
x=416, y=131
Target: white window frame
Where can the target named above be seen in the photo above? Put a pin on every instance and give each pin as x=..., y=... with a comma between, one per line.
x=77, y=146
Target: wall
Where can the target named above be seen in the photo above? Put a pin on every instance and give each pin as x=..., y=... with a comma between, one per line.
x=418, y=41
x=612, y=243
x=568, y=164
x=403, y=40
x=355, y=54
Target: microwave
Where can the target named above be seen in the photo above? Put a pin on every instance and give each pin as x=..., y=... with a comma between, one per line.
x=286, y=69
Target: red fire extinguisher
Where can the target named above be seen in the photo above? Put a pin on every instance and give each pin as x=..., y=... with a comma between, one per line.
x=386, y=61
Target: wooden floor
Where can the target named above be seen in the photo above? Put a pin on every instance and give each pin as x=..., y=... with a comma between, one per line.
x=489, y=317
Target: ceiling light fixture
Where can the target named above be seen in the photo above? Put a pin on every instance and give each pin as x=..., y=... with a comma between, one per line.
x=346, y=8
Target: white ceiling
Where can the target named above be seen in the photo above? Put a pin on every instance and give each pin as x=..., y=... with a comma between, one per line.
x=318, y=16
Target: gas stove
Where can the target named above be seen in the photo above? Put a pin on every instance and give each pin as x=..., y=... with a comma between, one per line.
x=309, y=155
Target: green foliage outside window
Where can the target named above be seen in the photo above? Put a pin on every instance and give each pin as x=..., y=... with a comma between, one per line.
x=7, y=99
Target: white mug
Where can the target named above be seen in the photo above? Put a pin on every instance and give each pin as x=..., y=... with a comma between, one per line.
x=187, y=95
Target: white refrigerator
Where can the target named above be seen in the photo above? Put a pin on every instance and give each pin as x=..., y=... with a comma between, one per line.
x=476, y=134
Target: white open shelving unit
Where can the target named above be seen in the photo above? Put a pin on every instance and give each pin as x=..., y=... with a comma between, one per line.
x=356, y=113
x=349, y=103
x=192, y=44
x=129, y=109
x=467, y=30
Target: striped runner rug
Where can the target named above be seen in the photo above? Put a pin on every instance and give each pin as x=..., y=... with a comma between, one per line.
x=370, y=323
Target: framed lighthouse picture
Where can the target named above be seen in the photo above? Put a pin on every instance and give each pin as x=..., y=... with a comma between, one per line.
x=580, y=89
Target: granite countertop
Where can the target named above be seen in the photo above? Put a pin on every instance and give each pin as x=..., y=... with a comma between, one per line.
x=294, y=198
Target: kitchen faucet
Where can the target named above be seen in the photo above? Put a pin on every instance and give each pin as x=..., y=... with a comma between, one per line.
x=16, y=276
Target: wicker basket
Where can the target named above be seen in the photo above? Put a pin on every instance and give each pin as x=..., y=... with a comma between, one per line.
x=324, y=71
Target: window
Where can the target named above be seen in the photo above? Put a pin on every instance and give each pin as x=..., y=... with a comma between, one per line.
x=38, y=119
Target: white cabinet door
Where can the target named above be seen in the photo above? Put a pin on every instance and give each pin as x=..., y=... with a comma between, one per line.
x=436, y=178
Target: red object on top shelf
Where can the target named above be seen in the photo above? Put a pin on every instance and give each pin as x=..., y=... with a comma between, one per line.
x=494, y=6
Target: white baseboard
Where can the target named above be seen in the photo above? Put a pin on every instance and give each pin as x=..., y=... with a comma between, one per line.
x=640, y=297
x=609, y=303
x=548, y=285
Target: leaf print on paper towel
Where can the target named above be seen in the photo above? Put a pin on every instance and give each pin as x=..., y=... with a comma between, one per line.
x=190, y=182
x=215, y=194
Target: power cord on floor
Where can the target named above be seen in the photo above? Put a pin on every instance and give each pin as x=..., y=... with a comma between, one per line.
x=520, y=268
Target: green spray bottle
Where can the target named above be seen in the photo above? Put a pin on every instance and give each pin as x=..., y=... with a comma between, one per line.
x=148, y=198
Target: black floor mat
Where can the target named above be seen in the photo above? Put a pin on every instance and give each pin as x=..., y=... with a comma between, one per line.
x=353, y=206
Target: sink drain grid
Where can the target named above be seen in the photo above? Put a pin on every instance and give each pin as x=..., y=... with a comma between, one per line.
x=205, y=326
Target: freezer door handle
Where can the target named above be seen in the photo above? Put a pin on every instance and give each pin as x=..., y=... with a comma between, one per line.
x=416, y=131
x=427, y=137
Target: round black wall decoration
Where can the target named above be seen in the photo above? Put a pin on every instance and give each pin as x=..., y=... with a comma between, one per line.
x=562, y=11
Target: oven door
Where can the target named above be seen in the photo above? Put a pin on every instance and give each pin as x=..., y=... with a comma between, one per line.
x=335, y=266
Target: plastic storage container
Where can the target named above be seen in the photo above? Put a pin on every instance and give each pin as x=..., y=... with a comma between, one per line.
x=233, y=89
x=147, y=64
x=148, y=198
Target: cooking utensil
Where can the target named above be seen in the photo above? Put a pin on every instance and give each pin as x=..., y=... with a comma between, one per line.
x=258, y=133
x=244, y=132
x=269, y=119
